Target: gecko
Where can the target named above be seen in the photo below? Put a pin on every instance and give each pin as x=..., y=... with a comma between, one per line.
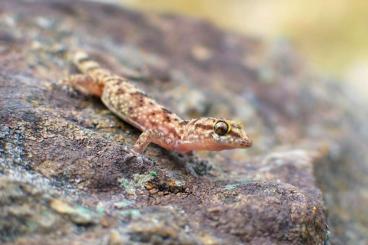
x=157, y=124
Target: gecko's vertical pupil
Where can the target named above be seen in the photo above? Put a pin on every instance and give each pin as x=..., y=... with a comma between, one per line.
x=221, y=128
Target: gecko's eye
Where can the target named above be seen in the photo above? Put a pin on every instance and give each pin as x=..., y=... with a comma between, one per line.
x=221, y=128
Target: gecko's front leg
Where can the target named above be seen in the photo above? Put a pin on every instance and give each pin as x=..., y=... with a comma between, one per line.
x=152, y=136
x=148, y=136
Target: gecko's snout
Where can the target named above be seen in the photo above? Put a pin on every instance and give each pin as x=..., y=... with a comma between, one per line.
x=246, y=143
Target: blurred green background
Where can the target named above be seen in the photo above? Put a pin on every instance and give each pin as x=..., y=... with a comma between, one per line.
x=331, y=34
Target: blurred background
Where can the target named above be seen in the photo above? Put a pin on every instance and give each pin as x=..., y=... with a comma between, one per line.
x=332, y=34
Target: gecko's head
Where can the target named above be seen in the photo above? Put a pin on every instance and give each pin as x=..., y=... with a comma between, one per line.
x=213, y=134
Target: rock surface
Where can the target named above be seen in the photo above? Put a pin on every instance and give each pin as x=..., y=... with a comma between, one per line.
x=64, y=175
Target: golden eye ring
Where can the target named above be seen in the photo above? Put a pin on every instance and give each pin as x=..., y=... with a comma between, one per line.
x=221, y=127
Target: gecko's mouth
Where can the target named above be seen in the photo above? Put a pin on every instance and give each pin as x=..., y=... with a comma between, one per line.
x=215, y=146
x=246, y=143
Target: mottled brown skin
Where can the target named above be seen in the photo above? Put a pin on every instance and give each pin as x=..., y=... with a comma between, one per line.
x=158, y=124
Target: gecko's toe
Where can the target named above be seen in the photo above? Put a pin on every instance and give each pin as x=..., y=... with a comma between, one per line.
x=129, y=156
x=139, y=158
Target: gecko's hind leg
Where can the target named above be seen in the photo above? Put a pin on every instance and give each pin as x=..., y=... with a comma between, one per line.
x=85, y=84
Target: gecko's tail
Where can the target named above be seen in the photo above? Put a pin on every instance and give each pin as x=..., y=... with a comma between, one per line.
x=84, y=63
x=92, y=79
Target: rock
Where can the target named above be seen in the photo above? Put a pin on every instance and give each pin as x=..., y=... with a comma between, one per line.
x=78, y=215
x=115, y=238
x=65, y=178
x=24, y=211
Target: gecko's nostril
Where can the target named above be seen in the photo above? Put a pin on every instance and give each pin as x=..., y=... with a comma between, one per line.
x=247, y=143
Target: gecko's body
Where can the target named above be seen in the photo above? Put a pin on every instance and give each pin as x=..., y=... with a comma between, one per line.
x=158, y=125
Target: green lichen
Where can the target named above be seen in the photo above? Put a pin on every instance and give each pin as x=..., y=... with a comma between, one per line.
x=138, y=181
x=127, y=185
x=131, y=213
x=100, y=208
x=233, y=186
x=230, y=187
x=153, y=174
x=123, y=204
x=82, y=215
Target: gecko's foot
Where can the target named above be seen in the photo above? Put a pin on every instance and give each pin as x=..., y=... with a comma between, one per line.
x=67, y=87
x=133, y=154
x=190, y=169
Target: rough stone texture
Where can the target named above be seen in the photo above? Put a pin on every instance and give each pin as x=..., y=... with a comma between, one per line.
x=64, y=176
